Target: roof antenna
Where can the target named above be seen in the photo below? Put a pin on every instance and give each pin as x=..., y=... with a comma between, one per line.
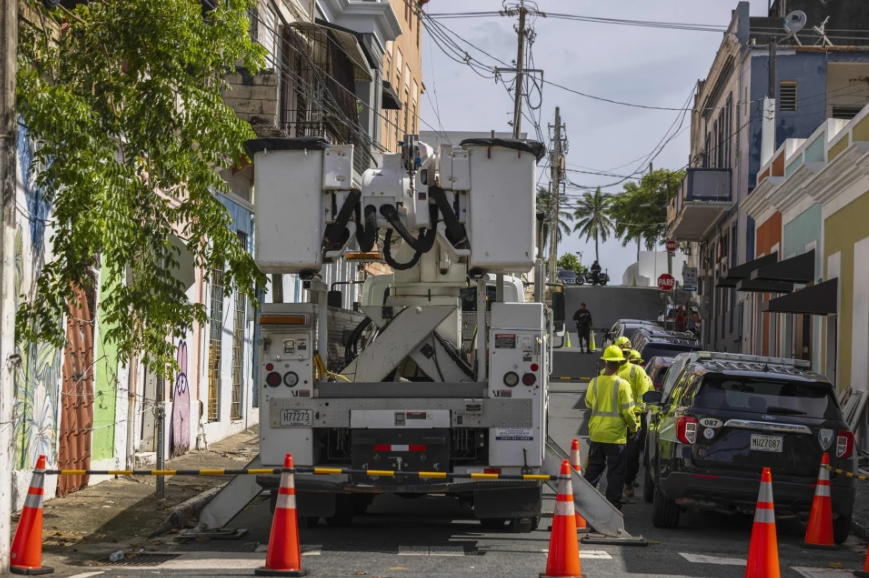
x=819, y=30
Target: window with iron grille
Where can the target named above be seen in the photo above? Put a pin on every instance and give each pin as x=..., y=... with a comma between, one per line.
x=238, y=346
x=787, y=95
x=215, y=340
x=319, y=95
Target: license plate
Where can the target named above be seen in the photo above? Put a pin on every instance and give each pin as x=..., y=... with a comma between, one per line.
x=297, y=417
x=764, y=443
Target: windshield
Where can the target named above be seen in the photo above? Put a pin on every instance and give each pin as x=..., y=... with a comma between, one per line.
x=766, y=396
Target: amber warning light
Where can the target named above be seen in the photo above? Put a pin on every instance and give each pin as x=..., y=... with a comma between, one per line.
x=283, y=320
x=364, y=256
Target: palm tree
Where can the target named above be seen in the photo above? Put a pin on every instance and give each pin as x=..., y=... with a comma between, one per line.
x=592, y=216
x=545, y=205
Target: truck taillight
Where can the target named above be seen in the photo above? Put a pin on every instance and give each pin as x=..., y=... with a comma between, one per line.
x=844, y=444
x=686, y=429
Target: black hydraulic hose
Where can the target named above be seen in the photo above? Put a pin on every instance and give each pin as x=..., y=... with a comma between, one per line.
x=340, y=225
x=366, y=233
x=391, y=214
x=350, y=347
x=455, y=228
x=387, y=255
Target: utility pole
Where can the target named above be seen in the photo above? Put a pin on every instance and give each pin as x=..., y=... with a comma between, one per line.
x=557, y=165
x=8, y=362
x=520, y=65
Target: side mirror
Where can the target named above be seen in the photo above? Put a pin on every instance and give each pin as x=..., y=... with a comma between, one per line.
x=558, y=307
x=653, y=397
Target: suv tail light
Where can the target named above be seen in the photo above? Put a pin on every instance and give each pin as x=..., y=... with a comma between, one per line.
x=844, y=444
x=686, y=429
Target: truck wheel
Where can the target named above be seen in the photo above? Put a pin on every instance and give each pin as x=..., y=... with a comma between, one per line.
x=665, y=512
x=841, y=529
x=648, y=486
x=309, y=522
x=344, y=511
x=273, y=501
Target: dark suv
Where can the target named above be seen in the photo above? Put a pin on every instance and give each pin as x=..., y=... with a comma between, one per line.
x=656, y=342
x=721, y=418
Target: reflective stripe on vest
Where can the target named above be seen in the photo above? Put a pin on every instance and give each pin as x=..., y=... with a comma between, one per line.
x=597, y=413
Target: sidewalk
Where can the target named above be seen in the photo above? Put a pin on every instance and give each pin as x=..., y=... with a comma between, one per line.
x=88, y=525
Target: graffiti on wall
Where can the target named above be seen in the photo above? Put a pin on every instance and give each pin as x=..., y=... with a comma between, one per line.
x=180, y=429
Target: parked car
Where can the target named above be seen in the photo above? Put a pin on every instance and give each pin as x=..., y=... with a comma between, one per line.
x=567, y=277
x=656, y=369
x=727, y=416
x=656, y=342
x=626, y=328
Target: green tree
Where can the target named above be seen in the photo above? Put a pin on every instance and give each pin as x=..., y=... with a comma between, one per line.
x=545, y=204
x=124, y=102
x=640, y=210
x=593, y=220
x=570, y=262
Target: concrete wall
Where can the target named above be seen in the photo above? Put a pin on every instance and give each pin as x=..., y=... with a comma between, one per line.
x=801, y=234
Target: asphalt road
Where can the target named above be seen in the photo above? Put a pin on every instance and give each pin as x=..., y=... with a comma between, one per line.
x=434, y=537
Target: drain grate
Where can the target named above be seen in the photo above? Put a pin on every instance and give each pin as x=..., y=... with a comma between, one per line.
x=139, y=560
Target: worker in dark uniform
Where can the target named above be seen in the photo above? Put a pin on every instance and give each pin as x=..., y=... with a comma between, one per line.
x=595, y=273
x=582, y=318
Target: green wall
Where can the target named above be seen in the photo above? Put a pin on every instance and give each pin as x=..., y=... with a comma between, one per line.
x=804, y=229
x=105, y=387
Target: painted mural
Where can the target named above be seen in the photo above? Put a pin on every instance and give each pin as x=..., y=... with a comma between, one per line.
x=37, y=379
x=180, y=428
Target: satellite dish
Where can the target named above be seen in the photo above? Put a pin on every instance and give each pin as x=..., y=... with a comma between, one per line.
x=795, y=21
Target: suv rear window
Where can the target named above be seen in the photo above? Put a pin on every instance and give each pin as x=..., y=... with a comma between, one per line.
x=767, y=396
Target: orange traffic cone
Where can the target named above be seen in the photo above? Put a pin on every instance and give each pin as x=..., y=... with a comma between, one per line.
x=576, y=464
x=26, y=555
x=763, y=550
x=563, y=558
x=284, y=557
x=819, y=533
x=864, y=573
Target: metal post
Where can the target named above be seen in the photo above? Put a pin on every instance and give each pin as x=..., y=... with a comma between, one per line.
x=161, y=422
x=520, y=65
x=323, y=325
x=482, y=333
x=8, y=143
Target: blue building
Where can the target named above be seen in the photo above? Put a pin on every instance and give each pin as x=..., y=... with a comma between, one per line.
x=819, y=74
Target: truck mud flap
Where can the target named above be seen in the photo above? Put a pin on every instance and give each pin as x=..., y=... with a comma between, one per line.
x=607, y=521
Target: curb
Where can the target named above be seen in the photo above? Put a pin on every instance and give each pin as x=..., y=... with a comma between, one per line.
x=186, y=511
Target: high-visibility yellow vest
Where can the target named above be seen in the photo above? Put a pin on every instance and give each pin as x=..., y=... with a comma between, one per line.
x=612, y=410
x=640, y=384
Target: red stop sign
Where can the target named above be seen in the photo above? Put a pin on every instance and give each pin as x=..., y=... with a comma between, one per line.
x=666, y=282
x=671, y=246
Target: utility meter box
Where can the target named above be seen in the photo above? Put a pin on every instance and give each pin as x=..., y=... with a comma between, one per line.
x=501, y=220
x=286, y=374
x=289, y=202
x=517, y=370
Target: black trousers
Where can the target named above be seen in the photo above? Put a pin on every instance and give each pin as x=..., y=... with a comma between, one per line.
x=584, y=334
x=609, y=458
x=633, y=449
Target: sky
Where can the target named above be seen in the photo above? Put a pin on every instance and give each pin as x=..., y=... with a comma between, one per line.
x=648, y=66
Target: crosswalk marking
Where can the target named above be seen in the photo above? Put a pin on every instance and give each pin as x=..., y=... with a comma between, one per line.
x=588, y=554
x=821, y=572
x=720, y=560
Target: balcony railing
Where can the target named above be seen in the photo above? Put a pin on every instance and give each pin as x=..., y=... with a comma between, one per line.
x=705, y=194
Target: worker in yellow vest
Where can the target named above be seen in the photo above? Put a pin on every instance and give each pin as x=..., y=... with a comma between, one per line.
x=640, y=384
x=611, y=425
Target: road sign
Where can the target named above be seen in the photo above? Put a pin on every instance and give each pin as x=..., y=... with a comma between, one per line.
x=666, y=282
x=671, y=246
x=689, y=279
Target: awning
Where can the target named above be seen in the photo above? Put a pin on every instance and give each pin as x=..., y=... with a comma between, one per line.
x=347, y=41
x=751, y=286
x=391, y=100
x=820, y=299
x=799, y=269
x=743, y=271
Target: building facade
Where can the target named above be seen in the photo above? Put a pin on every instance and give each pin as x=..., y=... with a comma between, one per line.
x=734, y=132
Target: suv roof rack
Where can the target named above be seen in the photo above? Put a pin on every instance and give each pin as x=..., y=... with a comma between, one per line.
x=716, y=356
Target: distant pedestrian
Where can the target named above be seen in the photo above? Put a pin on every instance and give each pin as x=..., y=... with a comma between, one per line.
x=582, y=317
x=680, y=319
